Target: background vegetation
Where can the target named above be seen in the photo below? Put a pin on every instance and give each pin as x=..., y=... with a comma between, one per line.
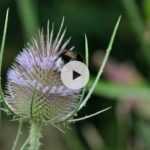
x=125, y=83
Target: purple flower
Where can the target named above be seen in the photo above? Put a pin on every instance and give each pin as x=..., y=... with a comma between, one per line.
x=34, y=88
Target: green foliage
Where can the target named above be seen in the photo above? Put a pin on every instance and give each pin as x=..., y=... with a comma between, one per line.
x=129, y=102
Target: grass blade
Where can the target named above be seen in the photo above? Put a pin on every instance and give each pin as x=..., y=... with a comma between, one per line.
x=2, y=46
x=86, y=51
x=88, y=116
x=1, y=56
x=102, y=66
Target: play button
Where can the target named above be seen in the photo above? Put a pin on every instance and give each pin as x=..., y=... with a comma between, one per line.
x=75, y=75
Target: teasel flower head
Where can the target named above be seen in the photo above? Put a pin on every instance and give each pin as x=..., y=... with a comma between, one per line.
x=34, y=88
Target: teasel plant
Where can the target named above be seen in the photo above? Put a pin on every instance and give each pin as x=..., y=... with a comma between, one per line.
x=34, y=90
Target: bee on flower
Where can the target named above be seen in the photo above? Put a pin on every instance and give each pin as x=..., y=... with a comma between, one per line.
x=35, y=90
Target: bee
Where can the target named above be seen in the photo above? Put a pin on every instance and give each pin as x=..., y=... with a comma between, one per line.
x=68, y=56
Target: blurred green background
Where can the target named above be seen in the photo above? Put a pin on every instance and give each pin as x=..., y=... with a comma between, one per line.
x=125, y=82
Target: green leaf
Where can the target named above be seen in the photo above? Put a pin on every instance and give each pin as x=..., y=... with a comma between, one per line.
x=113, y=90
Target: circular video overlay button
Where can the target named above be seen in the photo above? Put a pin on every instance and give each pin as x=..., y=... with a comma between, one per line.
x=75, y=75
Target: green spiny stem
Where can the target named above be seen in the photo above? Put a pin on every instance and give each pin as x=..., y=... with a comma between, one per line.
x=19, y=132
x=25, y=145
x=35, y=135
